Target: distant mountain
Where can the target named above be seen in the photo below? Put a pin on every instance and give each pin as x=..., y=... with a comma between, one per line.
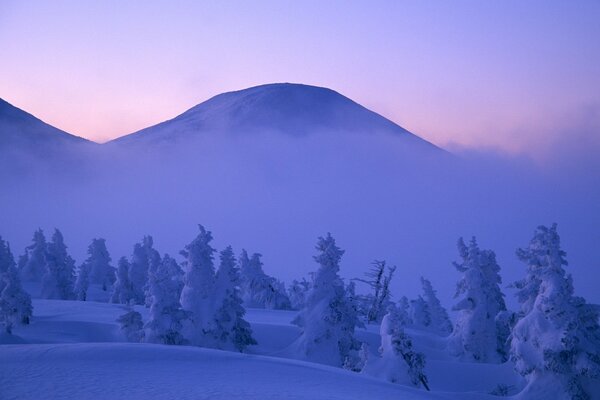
x=19, y=128
x=292, y=109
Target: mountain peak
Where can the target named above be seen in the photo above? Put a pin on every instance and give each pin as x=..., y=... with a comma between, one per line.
x=289, y=108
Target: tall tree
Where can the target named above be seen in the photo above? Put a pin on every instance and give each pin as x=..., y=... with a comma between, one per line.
x=58, y=280
x=166, y=315
x=326, y=320
x=475, y=335
x=32, y=264
x=198, y=289
x=138, y=268
x=98, y=264
x=232, y=331
x=556, y=343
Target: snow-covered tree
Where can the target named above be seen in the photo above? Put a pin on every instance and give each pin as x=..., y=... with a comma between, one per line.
x=327, y=320
x=297, y=293
x=556, y=343
x=419, y=313
x=439, y=321
x=258, y=289
x=32, y=264
x=131, y=325
x=98, y=264
x=138, y=268
x=380, y=298
x=122, y=290
x=403, y=311
x=15, y=303
x=58, y=280
x=198, y=289
x=475, y=335
x=399, y=362
x=232, y=331
x=166, y=315
x=82, y=282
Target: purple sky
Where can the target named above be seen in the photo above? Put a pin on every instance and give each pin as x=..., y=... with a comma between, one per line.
x=512, y=75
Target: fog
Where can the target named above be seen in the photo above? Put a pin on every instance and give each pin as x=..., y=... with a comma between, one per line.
x=275, y=194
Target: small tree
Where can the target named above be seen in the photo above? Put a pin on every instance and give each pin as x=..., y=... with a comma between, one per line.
x=556, y=343
x=327, y=321
x=419, y=313
x=166, y=314
x=297, y=293
x=98, y=264
x=58, y=280
x=259, y=290
x=32, y=264
x=15, y=303
x=399, y=363
x=232, y=330
x=198, y=289
x=131, y=325
x=440, y=322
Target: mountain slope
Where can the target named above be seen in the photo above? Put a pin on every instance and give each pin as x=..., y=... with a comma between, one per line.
x=293, y=109
x=19, y=128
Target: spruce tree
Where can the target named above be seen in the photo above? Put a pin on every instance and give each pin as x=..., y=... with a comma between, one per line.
x=198, y=289
x=556, y=343
x=58, y=280
x=475, y=335
x=258, y=289
x=82, y=282
x=32, y=264
x=327, y=320
x=98, y=264
x=166, y=315
x=232, y=331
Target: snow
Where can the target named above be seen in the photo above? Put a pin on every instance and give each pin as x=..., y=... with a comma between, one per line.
x=70, y=351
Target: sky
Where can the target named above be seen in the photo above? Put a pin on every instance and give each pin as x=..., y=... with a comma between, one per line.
x=511, y=76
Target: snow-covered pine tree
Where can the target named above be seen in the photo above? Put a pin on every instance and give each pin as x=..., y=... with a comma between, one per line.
x=297, y=293
x=232, y=331
x=556, y=343
x=122, y=290
x=98, y=264
x=440, y=322
x=138, y=268
x=58, y=280
x=399, y=362
x=132, y=325
x=258, y=289
x=326, y=320
x=82, y=282
x=32, y=264
x=198, y=289
x=475, y=335
x=15, y=303
x=166, y=315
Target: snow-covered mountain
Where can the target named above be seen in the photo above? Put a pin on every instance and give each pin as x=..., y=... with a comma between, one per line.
x=292, y=109
x=20, y=129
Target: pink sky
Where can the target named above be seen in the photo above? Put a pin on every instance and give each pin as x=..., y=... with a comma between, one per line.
x=508, y=75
